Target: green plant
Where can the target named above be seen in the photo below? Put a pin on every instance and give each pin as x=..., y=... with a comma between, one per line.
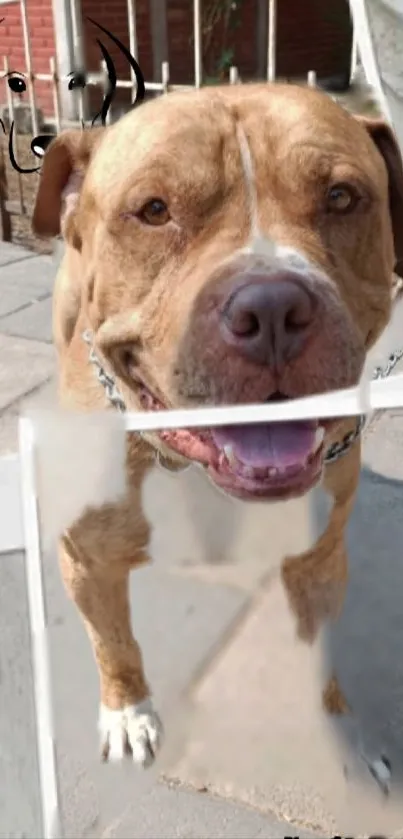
x=220, y=19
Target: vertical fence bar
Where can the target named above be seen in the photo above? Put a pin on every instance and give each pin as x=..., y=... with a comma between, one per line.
x=133, y=46
x=105, y=82
x=354, y=54
x=11, y=114
x=311, y=80
x=165, y=76
x=28, y=63
x=56, y=95
x=159, y=35
x=272, y=41
x=233, y=75
x=6, y=232
x=76, y=25
x=197, y=37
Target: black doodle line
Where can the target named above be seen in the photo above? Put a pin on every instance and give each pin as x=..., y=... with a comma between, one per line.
x=12, y=157
x=17, y=84
x=109, y=96
x=1, y=121
x=141, y=89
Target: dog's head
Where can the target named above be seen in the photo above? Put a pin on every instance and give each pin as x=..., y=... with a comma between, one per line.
x=237, y=246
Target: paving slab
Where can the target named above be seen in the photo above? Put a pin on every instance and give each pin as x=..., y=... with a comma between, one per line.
x=258, y=735
x=20, y=805
x=365, y=645
x=24, y=366
x=24, y=282
x=176, y=813
x=33, y=322
x=13, y=253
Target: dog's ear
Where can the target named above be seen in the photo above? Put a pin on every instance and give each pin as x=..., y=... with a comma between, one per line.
x=386, y=143
x=63, y=170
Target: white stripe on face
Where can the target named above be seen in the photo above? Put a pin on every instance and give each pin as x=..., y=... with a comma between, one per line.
x=276, y=255
x=247, y=166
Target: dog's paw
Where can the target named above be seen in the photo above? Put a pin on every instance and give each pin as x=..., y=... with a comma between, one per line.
x=135, y=730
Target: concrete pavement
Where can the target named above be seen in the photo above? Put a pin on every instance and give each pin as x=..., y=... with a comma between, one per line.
x=249, y=752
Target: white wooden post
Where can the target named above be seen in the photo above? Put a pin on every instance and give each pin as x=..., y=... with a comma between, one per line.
x=233, y=75
x=131, y=17
x=272, y=41
x=197, y=36
x=29, y=67
x=311, y=80
x=20, y=549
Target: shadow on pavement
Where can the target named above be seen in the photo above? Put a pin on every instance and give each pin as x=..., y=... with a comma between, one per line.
x=364, y=647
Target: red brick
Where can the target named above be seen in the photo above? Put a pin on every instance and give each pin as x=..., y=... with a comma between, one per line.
x=14, y=31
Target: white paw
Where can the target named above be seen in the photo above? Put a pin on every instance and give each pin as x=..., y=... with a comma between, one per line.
x=135, y=730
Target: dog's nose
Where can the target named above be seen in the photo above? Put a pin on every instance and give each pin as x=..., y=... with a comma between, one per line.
x=269, y=320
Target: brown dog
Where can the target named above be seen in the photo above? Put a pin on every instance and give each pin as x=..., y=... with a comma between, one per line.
x=223, y=247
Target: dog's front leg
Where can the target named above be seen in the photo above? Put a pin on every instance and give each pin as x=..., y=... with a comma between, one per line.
x=95, y=565
x=316, y=583
x=316, y=580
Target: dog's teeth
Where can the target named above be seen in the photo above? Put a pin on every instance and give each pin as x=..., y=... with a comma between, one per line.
x=273, y=471
x=319, y=437
x=248, y=472
x=229, y=454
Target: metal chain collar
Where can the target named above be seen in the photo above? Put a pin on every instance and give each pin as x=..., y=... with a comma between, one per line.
x=107, y=381
x=335, y=451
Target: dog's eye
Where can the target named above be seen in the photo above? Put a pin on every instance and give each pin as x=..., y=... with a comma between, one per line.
x=341, y=198
x=154, y=212
x=16, y=82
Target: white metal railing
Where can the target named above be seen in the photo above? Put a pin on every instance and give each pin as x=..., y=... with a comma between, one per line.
x=272, y=41
x=99, y=78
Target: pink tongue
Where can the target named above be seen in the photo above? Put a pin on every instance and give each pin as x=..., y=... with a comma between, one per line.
x=276, y=444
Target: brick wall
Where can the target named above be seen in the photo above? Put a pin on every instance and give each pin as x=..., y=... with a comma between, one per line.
x=40, y=20
x=312, y=34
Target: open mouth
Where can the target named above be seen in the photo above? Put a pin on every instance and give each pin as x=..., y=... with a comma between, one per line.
x=257, y=461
